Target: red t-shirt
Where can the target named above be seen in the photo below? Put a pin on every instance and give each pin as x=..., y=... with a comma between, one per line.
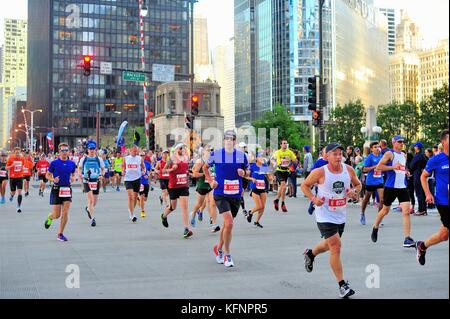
x=17, y=170
x=162, y=164
x=42, y=167
x=179, y=178
x=27, y=168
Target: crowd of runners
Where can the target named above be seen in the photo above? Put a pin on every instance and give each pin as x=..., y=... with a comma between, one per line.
x=341, y=176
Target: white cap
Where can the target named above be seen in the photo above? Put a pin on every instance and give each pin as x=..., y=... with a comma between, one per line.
x=242, y=144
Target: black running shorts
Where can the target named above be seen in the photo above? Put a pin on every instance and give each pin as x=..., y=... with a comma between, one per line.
x=27, y=178
x=87, y=188
x=42, y=178
x=328, y=230
x=373, y=188
x=227, y=204
x=282, y=176
x=164, y=184
x=390, y=194
x=203, y=191
x=55, y=199
x=443, y=211
x=258, y=191
x=15, y=183
x=145, y=191
x=134, y=185
x=175, y=193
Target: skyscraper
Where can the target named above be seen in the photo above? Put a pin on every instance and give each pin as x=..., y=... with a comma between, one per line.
x=62, y=32
x=390, y=15
x=409, y=36
x=14, y=67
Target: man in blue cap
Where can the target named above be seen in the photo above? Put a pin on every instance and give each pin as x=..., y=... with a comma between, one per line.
x=418, y=164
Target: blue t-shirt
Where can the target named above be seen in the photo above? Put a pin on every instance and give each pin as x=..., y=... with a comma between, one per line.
x=373, y=178
x=320, y=162
x=63, y=170
x=148, y=168
x=226, y=166
x=107, y=165
x=259, y=174
x=439, y=164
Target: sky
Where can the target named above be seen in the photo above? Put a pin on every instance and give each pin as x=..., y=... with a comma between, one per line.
x=432, y=17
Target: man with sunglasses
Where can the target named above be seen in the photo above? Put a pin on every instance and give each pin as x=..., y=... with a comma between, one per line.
x=231, y=166
x=62, y=173
x=394, y=163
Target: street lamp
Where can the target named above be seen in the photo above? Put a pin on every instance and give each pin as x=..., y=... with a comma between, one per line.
x=32, y=123
x=371, y=133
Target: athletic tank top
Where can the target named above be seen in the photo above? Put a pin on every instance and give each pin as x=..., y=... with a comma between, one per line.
x=201, y=183
x=334, y=190
x=118, y=164
x=133, y=168
x=179, y=178
x=396, y=178
x=162, y=175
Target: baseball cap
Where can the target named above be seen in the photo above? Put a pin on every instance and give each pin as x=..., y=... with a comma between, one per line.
x=166, y=151
x=242, y=144
x=418, y=144
x=307, y=147
x=333, y=146
x=397, y=138
x=230, y=133
x=180, y=145
x=91, y=144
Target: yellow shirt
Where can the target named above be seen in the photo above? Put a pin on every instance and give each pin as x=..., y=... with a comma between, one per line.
x=284, y=159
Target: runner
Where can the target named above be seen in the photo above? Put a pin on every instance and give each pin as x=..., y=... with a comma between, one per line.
x=133, y=168
x=281, y=160
x=336, y=182
x=3, y=176
x=394, y=163
x=91, y=169
x=204, y=192
x=117, y=166
x=374, y=179
x=27, y=172
x=61, y=173
x=163, y=178
x=178, y=167
x=230, y=166
x=258, y=186
x=15, y=166
x=42, y=167
x=145, y=187
x=439, y=164
x=106, y=171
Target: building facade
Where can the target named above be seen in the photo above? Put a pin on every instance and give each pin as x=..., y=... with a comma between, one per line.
x=63, y=31
x=409, y=36
x=14, y=68
x=404, y=77
x=390, y=15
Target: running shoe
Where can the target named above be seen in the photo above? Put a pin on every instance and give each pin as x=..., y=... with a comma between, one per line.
x=411, y=211
x=61, y=237
x=228, y=261
x=193, y=221
x=215, y=228
x=26, y=194
x=283, y=207
x=164, y=221
x=187, y=233
x=257, y=225
x=104, y=189
x=345, y=291
x=275, y=204
x=42, y=194
x=87, y=211
x=142, y=214
x=93, y=223
x=409, y=242
x=117, y=189
x=134, y=219
x=48, y=222
x=420, y=254
x=244, y=211
x=420, y=214
x=309, y=260
x=2, y=201
x=200, y=216
x=19, y=210
x=249, y=216
x=362, y=219
x=11, y=198
x=210, y=221
x=374, y=235
x=219, y=255
x=311, y=208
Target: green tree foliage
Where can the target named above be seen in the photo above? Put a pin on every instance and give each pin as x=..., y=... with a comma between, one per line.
x=296, y=133
x=434, y=116
x=346, y=123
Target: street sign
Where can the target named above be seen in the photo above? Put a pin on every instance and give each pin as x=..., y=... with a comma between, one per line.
x=163, y=73
x=105, y=68
x=133, y=76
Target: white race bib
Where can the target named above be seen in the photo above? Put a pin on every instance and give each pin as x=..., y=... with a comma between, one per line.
x=376, y=173
x=182, y=179
x=231, y=187
x=93, y=185
x=43, y=170
x=17, y=166
x=64, y=192
x=2, y=173
x=260, y=184
x=141, y=189
x=337, y=204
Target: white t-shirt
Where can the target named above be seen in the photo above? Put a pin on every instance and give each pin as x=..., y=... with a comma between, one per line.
x=133, y=165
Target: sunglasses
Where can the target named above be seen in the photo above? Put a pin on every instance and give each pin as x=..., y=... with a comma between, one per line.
x=401, y=142
x=64, y=150
x=229, y=139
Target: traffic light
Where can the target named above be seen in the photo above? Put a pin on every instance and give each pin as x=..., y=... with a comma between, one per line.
x=194, y=105
x=189, y=122
x=151, y=136
x=316, y=118
x=87, y=65
x=312, y=93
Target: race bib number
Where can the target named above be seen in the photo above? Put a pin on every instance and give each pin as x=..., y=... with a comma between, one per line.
x=132, y=166
x=285, y=162
x=166, y=175
x=376, y=173
x=141, y=188
x=231, y=187
x=337, y=204
x=43, y=170
x=26, y=170
x=182, y=179
x=2, y=173
x=93, y=186
x=64, y=192
x=17, y=166
x=260, y=184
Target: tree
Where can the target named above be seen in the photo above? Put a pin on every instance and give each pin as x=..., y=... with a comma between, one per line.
x=129, y=137
x=346, y=124
x=434, y=115
x=296, y=133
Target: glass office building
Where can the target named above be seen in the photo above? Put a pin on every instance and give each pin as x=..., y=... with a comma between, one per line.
x=61, y=32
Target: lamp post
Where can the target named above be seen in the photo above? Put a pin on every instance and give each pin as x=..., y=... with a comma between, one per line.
x=143, y=11
x=371, y=133
x=32, y=123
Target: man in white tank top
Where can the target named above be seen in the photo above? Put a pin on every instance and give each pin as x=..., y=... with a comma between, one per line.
x=394, y=163
x=337, y=182
x=133, y=168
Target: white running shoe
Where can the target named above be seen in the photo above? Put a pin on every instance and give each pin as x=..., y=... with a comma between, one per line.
x=228, y=261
